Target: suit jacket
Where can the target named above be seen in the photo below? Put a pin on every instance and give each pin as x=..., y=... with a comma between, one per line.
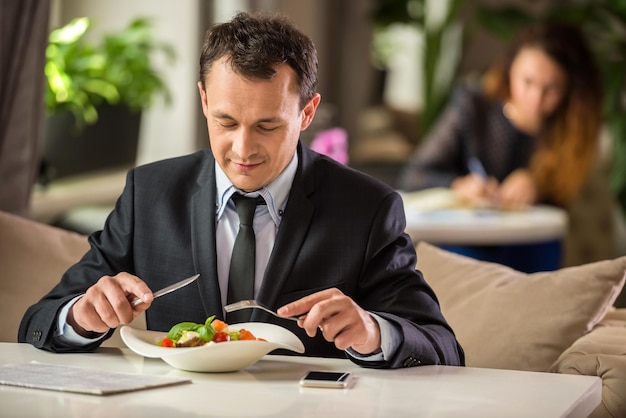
x=340, y=228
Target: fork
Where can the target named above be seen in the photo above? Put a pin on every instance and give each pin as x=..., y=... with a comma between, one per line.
x=251, y=304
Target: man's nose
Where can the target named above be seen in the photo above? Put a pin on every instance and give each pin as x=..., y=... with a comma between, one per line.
x=243, y=143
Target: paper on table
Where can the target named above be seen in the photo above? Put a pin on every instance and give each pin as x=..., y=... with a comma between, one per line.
x=76, y=379
x=430, y=199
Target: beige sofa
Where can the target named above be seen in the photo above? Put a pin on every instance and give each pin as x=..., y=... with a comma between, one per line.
x=33, y=257
x=559, y=322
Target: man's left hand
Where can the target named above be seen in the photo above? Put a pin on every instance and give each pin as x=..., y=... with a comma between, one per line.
x=339, y=318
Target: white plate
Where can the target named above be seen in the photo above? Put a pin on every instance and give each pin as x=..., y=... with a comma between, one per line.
x=215, y=357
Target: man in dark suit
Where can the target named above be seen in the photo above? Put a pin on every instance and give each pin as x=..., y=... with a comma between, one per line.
x=330, y=241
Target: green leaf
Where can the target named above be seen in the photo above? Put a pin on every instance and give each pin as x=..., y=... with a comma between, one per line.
x=82, y=75
x=503, y=22
x=103, y=88
x=387, y=12
x=70, y=33
x=176, y=331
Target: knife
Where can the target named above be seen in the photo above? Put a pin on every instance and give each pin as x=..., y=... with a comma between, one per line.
x=169, y=289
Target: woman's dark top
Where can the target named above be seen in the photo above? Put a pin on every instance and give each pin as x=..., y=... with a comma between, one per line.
x=471, y=126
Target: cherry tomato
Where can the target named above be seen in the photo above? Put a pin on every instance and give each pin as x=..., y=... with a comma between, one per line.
x=221, y=337
x=219, y=325
x=166, y=342
x=244, y=334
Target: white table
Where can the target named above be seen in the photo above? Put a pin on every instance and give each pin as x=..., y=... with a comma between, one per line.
x=527, y=240
x=435, y=216
x=270, y=389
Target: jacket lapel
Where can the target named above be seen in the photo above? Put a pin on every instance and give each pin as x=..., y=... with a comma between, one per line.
x=203, y=245
x=292, y=232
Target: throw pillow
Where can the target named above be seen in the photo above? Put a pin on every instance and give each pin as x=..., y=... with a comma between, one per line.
x=511, y=320
x=33, y=257
x=601, y=353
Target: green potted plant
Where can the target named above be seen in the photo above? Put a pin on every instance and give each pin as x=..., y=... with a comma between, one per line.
x=95, y=95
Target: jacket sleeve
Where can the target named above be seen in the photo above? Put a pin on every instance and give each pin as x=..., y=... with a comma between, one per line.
x=39, y=323
x=395, y=290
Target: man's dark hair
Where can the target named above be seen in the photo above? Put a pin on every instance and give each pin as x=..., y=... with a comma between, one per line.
x=256, y=44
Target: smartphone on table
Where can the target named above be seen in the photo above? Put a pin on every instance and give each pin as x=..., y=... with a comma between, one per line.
x=322, y=379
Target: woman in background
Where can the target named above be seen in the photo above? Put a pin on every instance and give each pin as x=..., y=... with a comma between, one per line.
x=528, y=134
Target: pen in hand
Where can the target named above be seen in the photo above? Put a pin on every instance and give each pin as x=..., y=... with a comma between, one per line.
x=476, y=168
x=488, y=194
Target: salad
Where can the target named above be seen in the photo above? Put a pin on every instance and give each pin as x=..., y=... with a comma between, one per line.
x=191, y=334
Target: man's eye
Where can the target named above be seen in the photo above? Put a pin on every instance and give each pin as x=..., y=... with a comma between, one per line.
x=267, y=128
x=227, y=125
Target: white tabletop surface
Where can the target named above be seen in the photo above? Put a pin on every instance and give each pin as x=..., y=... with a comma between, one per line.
x=435, y=216
x=270, y=389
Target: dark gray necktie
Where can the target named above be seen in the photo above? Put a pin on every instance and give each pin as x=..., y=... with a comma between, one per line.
x=241, y=276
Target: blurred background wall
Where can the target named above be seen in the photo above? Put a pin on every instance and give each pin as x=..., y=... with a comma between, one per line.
x=378, y=99
x=350, y=83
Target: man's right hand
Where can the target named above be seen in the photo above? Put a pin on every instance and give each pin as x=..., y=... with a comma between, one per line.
x=107, y=304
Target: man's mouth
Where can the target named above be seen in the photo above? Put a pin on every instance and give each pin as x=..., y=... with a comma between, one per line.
x=245, y=166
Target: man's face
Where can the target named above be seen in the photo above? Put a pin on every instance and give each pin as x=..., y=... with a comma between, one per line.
x=254, y=125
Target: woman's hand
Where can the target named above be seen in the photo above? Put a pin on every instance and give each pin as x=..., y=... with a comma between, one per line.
x=517, y=191
x=475, y=189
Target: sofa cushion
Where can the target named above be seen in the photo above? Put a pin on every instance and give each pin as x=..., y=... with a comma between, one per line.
x=511, y=320
x=33, y=257
x=601, y=353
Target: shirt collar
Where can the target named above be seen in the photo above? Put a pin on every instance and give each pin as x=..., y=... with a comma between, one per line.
x=275, y=193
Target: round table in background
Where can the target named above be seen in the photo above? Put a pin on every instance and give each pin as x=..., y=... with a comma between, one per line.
x=526, y=240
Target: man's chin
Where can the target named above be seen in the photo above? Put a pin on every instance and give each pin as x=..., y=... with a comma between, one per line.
x=246, y=183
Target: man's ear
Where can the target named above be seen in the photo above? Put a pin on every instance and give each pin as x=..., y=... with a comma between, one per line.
x=203, y=98
x=309, y=111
